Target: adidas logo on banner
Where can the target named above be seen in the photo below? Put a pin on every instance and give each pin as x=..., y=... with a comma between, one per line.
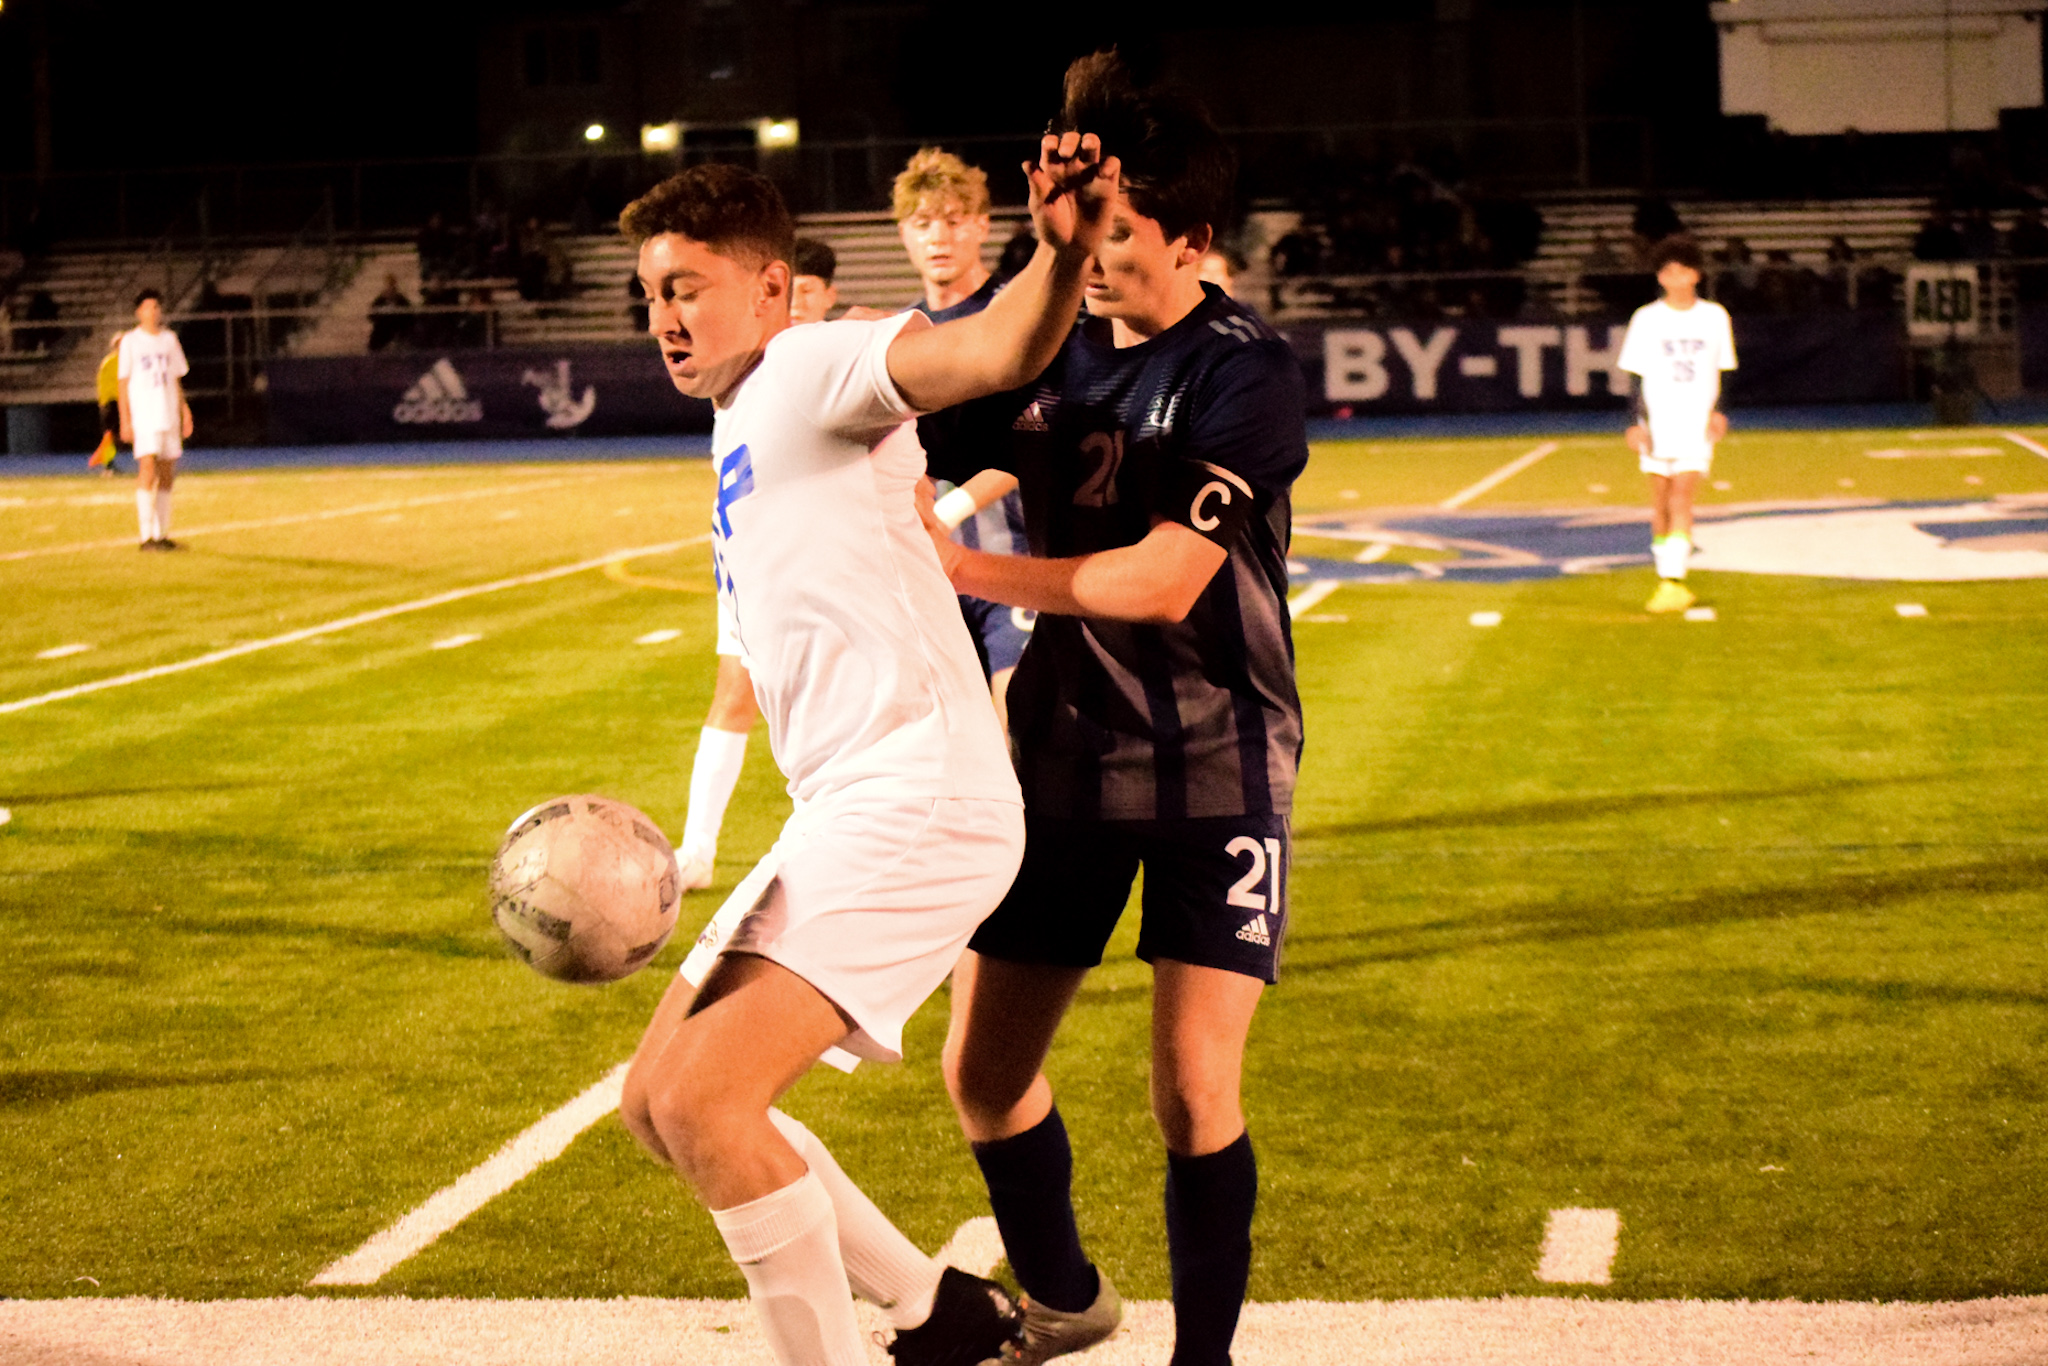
x=1255, y=932
x=438, y=396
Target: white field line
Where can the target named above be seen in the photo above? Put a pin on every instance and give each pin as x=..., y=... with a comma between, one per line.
x=2026, y=444
x=295, y=519
x=543, y=1142
x=1499, y=476
x=975, y=1247
x=1579, y=1247
x=1308, y=597
x=343, y=624
x=1556, y=1330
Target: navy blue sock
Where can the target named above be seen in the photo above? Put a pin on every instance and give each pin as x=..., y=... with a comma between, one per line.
x=1209, y=1202
x=1030, y=1179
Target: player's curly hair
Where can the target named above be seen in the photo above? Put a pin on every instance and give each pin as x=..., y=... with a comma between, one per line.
x=734, y=211
x=938, y=177
x=1177, y=168
x=1679, y=248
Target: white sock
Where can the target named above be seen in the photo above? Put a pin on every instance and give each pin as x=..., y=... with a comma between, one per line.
x=163, y=514
x=713, y=775
x=884, y=1268
x=1671, y=555
x=145, y=513
x=787, y=1246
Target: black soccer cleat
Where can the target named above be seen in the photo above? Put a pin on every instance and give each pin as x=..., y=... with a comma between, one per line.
x=972, y=1321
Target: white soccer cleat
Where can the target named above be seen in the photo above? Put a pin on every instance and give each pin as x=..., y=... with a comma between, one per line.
x=1050, y=1333
x=694, y=874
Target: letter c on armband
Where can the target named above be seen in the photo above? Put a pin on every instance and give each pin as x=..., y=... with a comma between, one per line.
x=1201, y=521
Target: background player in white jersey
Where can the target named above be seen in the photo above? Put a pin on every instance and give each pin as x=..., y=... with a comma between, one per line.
x=154, y=415
x=1677, y=348
x=909, y=823
x=722, y=743
x=941, y=206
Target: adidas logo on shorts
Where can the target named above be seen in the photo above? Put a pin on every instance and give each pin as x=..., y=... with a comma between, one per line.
x=1255, y=932
x=438, y=396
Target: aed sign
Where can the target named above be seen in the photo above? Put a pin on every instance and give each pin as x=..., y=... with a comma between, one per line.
x=1944, y=299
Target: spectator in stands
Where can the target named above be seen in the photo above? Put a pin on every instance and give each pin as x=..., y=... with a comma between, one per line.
x=40, y=336
x=1735, y=275
x=636, y=307
x=490, y=238
x=6, y=326
x=2028, y=242
x=436, y=325
x=1979, y=235
x=1220, y=267
x=1838, y=282
x=440, y=249
x=390, y=317
x=531, y=271
x=1017, y=252
x=1938, y=239
x=1786, y=287
x=812, y=295
x=1654, y=220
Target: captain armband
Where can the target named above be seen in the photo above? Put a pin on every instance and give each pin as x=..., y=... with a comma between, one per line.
x=1206, y=499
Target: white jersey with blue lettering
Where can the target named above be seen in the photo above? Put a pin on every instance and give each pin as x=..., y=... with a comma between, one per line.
x=1677, y=355
x=861, y=662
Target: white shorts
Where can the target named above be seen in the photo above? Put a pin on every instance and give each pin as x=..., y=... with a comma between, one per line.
x=728, y=629
x=871, y=901
x=160, y=445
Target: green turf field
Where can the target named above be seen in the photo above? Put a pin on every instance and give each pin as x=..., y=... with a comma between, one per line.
x=1737, y=927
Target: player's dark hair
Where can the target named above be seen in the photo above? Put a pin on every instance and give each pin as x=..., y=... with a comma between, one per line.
x=734, y=211
x=812, y=257
x=1680, y=249
x=1177, y=168
x=146, y=295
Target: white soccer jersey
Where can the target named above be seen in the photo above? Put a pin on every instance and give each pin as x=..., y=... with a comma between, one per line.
x=861, y=662
x=152, y=363
x=1678, y=355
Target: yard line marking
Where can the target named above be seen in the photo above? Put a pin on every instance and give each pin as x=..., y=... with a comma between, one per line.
x=324, y=515
x=1372, y=554
x=2026, y=444
x=542, y=1142
x=343, y=624
x=62, y=651
x=975, y=1247
x=1485, y=618
x=1499, y=476
x=456, y=642
x=1912, y=609
x=1311, y=595
x=7, y=815
x=661, y=637
x=1700, y=614
x=1579, y=1247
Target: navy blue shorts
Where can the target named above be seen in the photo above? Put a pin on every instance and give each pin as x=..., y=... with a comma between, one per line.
x=1000, y=632
x=1215, y=893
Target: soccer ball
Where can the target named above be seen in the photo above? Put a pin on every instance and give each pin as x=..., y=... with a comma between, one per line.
x=584, y=889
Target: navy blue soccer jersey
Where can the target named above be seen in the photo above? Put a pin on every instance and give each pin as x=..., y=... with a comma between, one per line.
x=1202, y=425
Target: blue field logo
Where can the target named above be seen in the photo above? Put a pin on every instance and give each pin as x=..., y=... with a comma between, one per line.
x=1930, y=542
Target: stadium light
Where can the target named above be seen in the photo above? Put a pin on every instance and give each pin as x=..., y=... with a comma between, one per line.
x=594, y=133
x=775, y=133
x=661, y=137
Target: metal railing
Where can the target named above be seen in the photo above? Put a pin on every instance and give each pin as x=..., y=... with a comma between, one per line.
x=249, y=203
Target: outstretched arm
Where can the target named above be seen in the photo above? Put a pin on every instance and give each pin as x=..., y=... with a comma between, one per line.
x=1011, y=341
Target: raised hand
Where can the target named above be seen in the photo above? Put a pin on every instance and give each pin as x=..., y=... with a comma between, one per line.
x=1073, y=188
